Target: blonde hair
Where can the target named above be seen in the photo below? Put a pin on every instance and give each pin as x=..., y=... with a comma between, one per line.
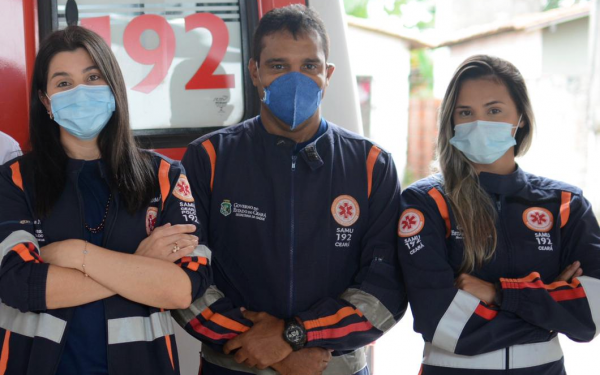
x=472, y=207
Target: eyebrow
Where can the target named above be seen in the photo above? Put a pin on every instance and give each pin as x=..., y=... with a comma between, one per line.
x=485, y=105
x=313, y=60
x=492, y=103
x=275, y=60
x=65, y=74
x=90, y=68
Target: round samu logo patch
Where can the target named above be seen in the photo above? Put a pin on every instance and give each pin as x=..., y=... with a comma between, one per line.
x=411, y=223
x=538, y=219
x=151, y=215
x=345, y=210
x=182, y=189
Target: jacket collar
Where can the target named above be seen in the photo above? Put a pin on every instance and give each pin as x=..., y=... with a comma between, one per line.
x=313, y=153
x=503, y=184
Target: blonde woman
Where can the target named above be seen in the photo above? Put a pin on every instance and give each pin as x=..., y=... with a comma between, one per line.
x=497, y=261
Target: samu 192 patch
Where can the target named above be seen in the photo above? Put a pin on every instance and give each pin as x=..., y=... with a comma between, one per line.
x=151, y=215
x=182, y=189
x=345, y=210
x=411, y=223
x=538, y=219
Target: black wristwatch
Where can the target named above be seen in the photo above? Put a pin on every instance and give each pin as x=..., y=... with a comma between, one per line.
x=294, y=334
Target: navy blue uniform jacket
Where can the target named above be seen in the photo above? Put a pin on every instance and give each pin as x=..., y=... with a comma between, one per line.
x=543, y=226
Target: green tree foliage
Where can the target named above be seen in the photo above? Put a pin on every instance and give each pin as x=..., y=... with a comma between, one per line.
x=357, y=8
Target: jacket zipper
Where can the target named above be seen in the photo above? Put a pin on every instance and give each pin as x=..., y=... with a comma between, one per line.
x=292, y=239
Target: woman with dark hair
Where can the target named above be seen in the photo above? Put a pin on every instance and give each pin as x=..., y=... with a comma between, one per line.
x=98, y=237
x=496, y=261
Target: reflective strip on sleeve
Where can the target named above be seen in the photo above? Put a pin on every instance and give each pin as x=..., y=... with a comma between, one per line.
x=349, y=363
x=202, y=251
x=139, y=328
x=375, y=312
x=453, y=322
x=212, y=295
x=520, y=356
x=15, y=238
x=592, y=291
x=32, y=324
x=530, y=355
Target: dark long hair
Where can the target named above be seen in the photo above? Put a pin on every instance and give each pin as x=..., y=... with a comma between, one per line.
x=129, y=168
x=471, y=205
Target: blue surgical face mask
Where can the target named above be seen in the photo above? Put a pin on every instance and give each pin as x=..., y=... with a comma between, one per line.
x=484, y=142
x=83, y=111
x=293, y=98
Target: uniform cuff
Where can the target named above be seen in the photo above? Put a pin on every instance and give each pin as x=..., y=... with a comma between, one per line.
x=37, y=287
x=510, y=297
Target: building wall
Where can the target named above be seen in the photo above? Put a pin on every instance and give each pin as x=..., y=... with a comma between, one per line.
x=453, y=15
x=565, y=48
x=389, y=68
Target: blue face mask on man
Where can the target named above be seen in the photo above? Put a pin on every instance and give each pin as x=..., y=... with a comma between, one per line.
x=484, y=142
x=293, y=98
x=83, y=111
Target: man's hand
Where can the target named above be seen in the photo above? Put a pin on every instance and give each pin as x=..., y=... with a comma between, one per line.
x=263, y=344
x=308, y=361
x=483, y=290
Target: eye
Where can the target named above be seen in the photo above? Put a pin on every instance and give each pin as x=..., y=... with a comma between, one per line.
x=495, y=111
x=310, y=66
x=63, y=84
x=277, y=66
x=94, y=77
x=464, y=113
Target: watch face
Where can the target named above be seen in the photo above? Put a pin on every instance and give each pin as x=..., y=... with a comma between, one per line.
x=294, y=334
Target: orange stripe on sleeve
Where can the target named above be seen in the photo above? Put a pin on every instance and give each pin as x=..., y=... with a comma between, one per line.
x=193, y=266
x=371, y=159
x=212, y=155
x=24, y=253
x=568, y=294
x=332, y=319
x=223, y=321
x=16, y=175
x=485, y=313
x=534, y=281
x=4, y=354
x=230, y=324
x=207, y=313
x=565, y=208
x=442, y=207
x=163, y=180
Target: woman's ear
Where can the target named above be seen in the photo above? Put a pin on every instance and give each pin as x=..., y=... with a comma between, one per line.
x=46, y=102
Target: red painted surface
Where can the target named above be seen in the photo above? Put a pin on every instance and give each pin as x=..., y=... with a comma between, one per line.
x=18, y=45
x=173, y=153
x=266, y=5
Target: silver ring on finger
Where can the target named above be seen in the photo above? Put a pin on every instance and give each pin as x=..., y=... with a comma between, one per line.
x=175, y=247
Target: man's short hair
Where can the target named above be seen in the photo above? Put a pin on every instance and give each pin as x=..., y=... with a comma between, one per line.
x=296, y=19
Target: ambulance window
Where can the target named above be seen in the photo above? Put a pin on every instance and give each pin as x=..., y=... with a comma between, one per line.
x=183, y=62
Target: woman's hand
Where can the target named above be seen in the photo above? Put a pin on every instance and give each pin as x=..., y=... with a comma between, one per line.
x=483, y=290
x=572, y=270
x=169, y=242
x=66, y=254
